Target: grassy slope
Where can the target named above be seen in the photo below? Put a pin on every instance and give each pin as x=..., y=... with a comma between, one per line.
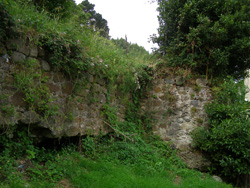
x=122, y=166
x=78, y=171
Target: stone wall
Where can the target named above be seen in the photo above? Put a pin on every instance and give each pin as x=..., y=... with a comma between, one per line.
x=175, y=107
x=79, y=108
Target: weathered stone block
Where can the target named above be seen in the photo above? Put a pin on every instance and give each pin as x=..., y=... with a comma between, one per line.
x=45, y=65
x=33, y=51
x=156, y=102
x=18, y=45
x=194, y=159
x=4, y=64
x=67, y=88
x=201, y=82
x=18, y=57
x=194, y=103
x=13, y=44
x=58, y=77
x=83, y=107
x=173, y=129
x=73, y=131
x=187, y=118
x=157, y=89
x=54, y=87
x=180, y=120
x=18, y=99
x=30, y=117
x=169, y=81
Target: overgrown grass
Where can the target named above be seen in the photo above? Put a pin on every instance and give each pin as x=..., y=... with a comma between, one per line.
x=105, y=161
x=75, y=170
x=77, y=48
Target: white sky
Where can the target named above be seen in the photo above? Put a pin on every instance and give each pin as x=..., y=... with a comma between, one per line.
x=135, y=18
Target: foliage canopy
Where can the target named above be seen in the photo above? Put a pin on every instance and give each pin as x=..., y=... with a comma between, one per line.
x=211, y=37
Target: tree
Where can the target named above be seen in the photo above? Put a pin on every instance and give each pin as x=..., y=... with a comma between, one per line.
x=129, y=48
x=211, y=37
x=95, y=19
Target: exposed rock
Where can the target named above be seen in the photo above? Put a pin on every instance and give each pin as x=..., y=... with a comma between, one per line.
x=4, y=64
x=201, y=82
x=73, y=131
x=18, y=57
x=169, y=81
x=54, y=87
x=217, y=178
x=18, y=45
x=67, y=88
x=18, y=99
x=30, y=117
x=194, y=160
x=45, y=65
x=157, y=89
x=194, y=103
x=12, y=44
x=59, y=77
x=181, y=118
x=33, y=51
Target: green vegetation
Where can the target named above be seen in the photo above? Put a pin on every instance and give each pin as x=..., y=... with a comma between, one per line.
x=210, y=37
x=28, y=79
x=227, y=139
x=106, y=161
x=95, y=19
x=129, y=156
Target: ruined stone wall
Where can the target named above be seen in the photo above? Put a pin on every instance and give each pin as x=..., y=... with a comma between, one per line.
x=79, y=108
x=177, y=109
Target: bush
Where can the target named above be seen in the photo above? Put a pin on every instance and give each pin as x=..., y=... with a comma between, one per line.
x=227, y=140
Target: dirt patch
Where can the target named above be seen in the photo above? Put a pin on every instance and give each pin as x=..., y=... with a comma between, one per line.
x=63, y=184
x=177, y=180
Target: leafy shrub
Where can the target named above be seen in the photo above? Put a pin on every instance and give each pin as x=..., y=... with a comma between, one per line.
x=227, y=139
x=65, y=53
